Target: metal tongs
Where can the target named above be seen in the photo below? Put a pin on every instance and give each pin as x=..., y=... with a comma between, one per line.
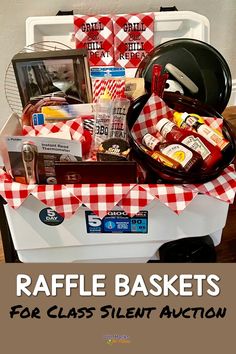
x=158, y=80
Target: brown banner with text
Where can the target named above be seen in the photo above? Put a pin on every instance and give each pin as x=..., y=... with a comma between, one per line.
x=113, y=308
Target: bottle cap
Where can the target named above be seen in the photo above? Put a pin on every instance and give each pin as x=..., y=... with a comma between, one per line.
x=179, y=118
x=161, y=123
x=122, y=94
x=106, y=95
x=200, y=119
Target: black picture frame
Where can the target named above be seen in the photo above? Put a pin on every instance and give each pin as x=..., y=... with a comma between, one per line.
x=44, y=73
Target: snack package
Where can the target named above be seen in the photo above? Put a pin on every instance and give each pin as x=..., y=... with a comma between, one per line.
x=54, y=114
x=111, y=79
x=115, y=87
x=134, y=87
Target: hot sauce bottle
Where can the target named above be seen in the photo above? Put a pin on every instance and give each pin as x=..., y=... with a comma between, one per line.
x=198, y=124
x=211, y=154
x=185, y=158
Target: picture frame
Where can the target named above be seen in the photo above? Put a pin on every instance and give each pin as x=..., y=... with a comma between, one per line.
x=40, y=74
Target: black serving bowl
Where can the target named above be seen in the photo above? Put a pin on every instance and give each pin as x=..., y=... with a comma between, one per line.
x=157, y=172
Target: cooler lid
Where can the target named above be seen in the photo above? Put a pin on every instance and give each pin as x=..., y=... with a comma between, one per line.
x=196, y=69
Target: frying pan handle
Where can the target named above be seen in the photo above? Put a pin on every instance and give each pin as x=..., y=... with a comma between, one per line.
x=182, y=78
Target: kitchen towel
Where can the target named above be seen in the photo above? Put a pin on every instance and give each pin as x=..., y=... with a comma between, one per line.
x=133, y=38
x=95, y=33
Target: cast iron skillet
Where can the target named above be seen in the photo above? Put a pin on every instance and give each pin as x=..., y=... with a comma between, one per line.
x=159, y=173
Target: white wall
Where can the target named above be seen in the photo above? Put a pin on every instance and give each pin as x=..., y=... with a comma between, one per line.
x=221, y=14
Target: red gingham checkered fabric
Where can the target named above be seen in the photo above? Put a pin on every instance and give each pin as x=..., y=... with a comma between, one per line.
x=214, y=123
x=58, y=197
x=133, y=38
x=174, y=197
x=95, y=33
x=155, y=109
x=13, y=192
x=222, y=187
x=114, y=87
x=75, y=125
x=137, y=199
x=100, y=198
x=152, y=112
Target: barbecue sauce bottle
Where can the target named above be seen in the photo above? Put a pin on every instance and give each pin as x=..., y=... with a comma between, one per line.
x=211, y=154
x=197, y=123
x=163, y=159
x=186, y=158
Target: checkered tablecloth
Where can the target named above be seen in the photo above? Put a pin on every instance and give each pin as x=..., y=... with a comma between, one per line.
x=222, y=188
x=174, y=197
x=101, y=198
x=75, y=128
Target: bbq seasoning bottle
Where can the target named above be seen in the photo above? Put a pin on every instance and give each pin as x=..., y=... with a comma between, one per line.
x=163, y=159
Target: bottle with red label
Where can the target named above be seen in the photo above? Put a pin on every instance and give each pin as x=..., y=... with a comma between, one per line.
x=211, y=154
x=163, y=159
x=197, y=123
x=186, y=158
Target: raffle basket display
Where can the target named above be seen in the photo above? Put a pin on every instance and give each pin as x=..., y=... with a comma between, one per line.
x=120, y=222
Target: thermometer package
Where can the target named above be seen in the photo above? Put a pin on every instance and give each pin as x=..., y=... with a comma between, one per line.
x=32, y=159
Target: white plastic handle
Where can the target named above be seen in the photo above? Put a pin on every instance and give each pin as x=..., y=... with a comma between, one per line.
x=182, y=78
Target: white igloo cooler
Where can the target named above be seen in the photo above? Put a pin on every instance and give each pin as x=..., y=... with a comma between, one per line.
x=40, y=234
